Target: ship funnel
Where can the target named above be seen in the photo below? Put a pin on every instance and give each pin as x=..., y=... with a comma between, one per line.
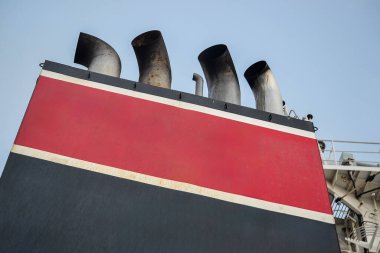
x=220, y=73
x=97, y=55
x=198, y=84
x=153, y=60
x=264, y=87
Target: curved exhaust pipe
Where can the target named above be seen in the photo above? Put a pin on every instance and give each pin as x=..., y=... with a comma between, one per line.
x=220, y=73
x=97, y=55
x=152, y=58
x=264, y=87
x=198, y=84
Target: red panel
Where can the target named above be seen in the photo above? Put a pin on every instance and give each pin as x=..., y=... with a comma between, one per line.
x=173, y=143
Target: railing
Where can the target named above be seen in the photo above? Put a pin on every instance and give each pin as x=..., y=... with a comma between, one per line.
x=338, y=152
x=364, y=236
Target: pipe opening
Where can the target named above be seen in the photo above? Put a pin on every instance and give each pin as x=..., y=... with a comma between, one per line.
x=255, y=70
x=146, y=38
x=220, y=74
x=212, y=52
x=264, y=87
x=97, y=55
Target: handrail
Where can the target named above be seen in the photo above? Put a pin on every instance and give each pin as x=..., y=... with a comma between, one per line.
x=364, y=236
x=356, y=151
x=364, y=155
x=356, y=142
x=375, y=164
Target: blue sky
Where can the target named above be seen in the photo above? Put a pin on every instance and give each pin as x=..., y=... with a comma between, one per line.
x=324, y=54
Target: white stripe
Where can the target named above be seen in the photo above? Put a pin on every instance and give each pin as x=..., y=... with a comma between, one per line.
x=173, y=185
x=179, y=104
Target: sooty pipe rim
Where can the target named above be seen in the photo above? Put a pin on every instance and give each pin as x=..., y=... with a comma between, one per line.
x=146, y=38
x=212, y=52
x=255, y=70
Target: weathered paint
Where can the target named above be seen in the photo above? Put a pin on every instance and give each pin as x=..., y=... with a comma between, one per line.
x=56, y=208
x=65, y=190
x=172, y=143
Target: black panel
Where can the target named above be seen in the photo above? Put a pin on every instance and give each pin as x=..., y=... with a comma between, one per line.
x=177, y=95
x=47, y=207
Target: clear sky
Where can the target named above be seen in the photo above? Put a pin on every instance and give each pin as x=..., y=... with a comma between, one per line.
x=324, y=54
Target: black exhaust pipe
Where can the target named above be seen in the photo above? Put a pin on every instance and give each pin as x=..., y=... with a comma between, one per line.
x=152, y=58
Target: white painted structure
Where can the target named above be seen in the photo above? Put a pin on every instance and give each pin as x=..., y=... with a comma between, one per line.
x=352, y=172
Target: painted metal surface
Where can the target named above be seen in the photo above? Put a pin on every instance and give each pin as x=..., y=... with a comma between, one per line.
x=157, y=93
x=97, y=55
x=220, y=74
x=158, y=140
x=152, y=58
x=57, y=208
x=264, y=87
x=111, y=168
x=352, y=175
x=198, y=84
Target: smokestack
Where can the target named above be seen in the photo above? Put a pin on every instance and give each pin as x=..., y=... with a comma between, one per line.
x=152, y=58
x=220, y=73
x=198, y=84
x=264, y=87
x=97, y=55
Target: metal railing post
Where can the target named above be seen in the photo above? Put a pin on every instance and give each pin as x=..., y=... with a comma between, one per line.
x=333, y=150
